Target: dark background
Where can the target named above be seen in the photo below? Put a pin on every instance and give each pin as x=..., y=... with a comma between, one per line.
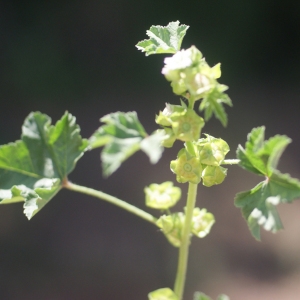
x=80, y=56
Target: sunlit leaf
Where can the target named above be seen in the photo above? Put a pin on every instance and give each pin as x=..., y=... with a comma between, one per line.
x=259, y=156
x=163, y=39
x=259, y=204
x=152, y=146
x=33, y=168
x=122, y=135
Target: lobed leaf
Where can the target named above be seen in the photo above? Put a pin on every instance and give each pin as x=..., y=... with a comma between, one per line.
x=163, y=39
x=33, y=168
x=259, y=204
x=259, y=156
x=122, y=136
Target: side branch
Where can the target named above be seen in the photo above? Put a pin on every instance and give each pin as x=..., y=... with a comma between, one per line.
x=111, y=199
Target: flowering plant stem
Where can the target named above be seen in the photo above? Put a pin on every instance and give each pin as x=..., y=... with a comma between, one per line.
x=186, y=234
x=36, y=167
x=111, y=199
x=185, y=242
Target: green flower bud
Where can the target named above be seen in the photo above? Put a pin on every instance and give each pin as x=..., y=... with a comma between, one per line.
x=162, y=294
x=212, y=175
x=172, y=227
x=179, y=87
x=212, y=151
x=197, y=83
x=162, y=196
x=186, y=167
x=202, y=222
x=187, y=125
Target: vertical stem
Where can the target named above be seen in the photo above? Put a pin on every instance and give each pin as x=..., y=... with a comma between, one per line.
x=191, y=102
x=185, y=242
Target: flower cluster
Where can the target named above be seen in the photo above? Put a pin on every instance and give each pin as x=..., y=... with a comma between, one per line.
x=172, y=225
x=179, y=123
x=190, y=74
x=201, y=160
x=162, y=196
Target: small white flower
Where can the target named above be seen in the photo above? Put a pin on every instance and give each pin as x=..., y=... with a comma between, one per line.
x=180, y=60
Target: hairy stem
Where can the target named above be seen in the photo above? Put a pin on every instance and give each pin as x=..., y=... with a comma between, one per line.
x=185, y=242
x=111, y=199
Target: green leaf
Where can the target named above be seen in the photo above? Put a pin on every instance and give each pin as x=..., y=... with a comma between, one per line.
x=116, y=152
x=117, y=125
x=163, y=39
x=122, y=136
x=212, y=103
x=259, y=156
x=259, y=204
x=54, y=150
x=33, y=168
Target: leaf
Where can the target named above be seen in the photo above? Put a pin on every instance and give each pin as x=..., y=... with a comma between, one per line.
x=54, y=150
x=163, y=39
x=212, y=103
x=259, y=156
x=33, y=168
x=259, y=204
x=152, y=146
x=122, y=136
x=116, y=152
x=248, y=158
x=118, y=125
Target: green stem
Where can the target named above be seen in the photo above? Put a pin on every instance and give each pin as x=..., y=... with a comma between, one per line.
x=191, y=102
x=185, y=241
x=111, y=199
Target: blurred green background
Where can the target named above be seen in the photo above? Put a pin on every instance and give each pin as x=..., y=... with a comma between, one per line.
x=80, y=56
